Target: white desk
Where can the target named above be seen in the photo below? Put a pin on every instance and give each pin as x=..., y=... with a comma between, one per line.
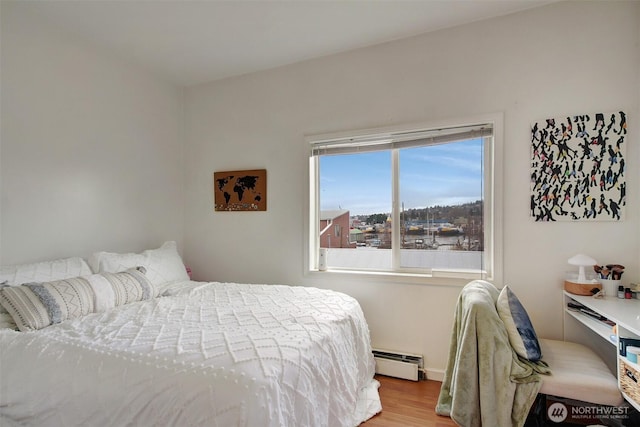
x=624, y=313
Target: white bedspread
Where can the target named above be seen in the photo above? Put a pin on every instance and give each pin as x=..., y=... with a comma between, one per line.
x=211, y=355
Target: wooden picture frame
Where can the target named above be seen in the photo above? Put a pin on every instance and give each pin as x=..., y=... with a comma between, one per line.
x=243, y=190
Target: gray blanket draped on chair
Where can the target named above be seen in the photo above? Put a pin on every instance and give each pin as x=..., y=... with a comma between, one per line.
x=485, y=383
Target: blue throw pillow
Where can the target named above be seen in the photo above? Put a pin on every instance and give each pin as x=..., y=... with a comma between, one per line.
x=522, y=336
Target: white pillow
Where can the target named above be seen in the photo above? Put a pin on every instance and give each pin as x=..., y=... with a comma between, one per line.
x=164, y=265
x=45, y=271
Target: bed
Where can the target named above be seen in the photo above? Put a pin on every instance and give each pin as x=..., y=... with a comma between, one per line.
x=193, y=354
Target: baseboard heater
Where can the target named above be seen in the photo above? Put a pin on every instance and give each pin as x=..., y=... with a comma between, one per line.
x=399, y=365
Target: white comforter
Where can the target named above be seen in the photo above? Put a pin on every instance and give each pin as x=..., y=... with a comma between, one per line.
x=214, y=354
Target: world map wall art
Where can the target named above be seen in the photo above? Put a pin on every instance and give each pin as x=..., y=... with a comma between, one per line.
x=240, y=190
x=578, y=168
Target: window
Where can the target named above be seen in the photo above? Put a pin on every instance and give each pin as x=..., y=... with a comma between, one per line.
x=417, y=202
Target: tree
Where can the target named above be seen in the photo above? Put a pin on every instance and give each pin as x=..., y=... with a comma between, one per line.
x=376, y=219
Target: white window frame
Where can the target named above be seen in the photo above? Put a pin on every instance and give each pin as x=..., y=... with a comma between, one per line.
x=493, y=202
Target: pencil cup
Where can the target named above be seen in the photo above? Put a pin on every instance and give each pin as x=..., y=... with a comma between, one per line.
x=610, y=286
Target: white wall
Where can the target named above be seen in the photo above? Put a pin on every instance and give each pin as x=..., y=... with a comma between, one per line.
x=92, y=157
x=92, y=148
x=563, y=59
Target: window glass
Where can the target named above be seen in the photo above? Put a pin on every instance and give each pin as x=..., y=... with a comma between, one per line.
x=413, y=203
x=352, y=186
x=441, y=205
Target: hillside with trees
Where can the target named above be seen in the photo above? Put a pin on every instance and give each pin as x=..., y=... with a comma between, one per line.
x=456, y=214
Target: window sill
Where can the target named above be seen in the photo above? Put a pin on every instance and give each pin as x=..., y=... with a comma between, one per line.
x=437, y=278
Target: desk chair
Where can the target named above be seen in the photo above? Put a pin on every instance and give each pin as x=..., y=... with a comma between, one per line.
x=489, y=383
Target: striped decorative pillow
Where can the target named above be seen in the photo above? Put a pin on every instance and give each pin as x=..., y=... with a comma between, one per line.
x=38, y=305
x=129, y=286
x=6, y=321
x=44, y=271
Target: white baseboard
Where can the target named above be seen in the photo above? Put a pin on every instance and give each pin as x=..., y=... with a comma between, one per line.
x=434, y=374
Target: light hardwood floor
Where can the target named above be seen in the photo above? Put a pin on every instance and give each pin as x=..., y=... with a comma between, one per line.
x=408, y=404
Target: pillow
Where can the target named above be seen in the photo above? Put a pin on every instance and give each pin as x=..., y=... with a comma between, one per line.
x=6, y=320
x=164, y=265
x=522, y=336
x=38, y=305
x=128, y=286
x=45, y=271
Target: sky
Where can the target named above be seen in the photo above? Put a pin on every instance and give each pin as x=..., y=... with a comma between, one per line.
x=446, y=174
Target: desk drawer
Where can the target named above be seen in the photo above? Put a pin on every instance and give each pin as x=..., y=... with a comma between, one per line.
x=629, y=379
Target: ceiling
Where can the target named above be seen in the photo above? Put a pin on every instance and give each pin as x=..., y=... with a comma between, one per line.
x=191, y=42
